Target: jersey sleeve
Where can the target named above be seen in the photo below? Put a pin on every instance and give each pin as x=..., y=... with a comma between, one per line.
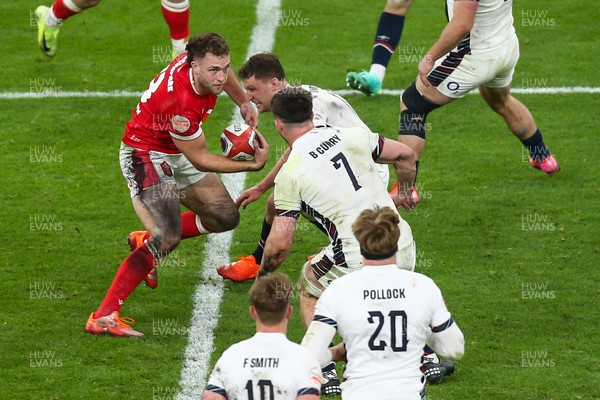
x=374, y=141
x=331, y=109
x=325, y=309
x=310, y=375
x=215, y=382
x=287, y=189
x=440, y=317
x=185, y=126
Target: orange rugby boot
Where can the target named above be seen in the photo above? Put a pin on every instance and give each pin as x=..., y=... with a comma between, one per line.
x=238, y=271
x=111, y=325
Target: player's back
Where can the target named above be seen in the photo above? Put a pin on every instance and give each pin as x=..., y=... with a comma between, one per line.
x=385, y=331
x=266, y=366
x=332, y=172
x=331, y=109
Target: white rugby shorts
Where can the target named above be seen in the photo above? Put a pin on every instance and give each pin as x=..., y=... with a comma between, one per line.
x=145, y=168
x=456, y=74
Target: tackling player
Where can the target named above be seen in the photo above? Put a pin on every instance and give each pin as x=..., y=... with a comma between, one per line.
x=165, y=161
x=263, y=76
x=268, y=363
x=478, y=48
x=385, y=316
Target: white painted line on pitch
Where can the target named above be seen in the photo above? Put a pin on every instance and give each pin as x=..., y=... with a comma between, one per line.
x=341, y=92
x=207, y=297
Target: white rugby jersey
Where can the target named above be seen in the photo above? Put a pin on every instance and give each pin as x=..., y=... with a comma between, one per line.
x=493, y=27
x=330, y=175
x=383, y=314
x=331, y=109
x=266, y=366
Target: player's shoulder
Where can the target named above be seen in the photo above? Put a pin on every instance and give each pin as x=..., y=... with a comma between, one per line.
x=420, y=280
x=299, y=353
x=353, y=278
x=238, y=348
x=314, y=91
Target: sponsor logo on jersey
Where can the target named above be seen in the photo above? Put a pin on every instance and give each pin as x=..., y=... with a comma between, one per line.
x=180, y=123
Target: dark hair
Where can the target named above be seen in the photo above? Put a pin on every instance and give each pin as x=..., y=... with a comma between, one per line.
x=270, y=296
x=209, y=42
x=292, y=105
x=262, y=66
x=377, y=232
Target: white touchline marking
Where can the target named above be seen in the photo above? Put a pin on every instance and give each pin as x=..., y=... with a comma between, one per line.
x=207, y=297
x=341, y=92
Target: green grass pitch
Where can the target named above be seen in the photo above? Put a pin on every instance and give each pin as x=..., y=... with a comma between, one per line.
x=515, y=252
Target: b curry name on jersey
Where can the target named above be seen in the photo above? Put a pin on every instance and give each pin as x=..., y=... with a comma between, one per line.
x=261, y=362
x=324, y=146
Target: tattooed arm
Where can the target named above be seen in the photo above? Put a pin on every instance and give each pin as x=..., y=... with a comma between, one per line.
x=278, y=244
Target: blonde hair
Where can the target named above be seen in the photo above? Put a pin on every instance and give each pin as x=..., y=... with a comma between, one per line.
x=377, y=232
x=270, y=296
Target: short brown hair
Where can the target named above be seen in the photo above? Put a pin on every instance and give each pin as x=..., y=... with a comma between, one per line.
x=262, y=66
x=292, y=105
x=270, y=296
x=377, y=231
x=209, y=42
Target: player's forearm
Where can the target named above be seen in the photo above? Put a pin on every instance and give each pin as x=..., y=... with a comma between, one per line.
x=269, y=181
x=274, y=255
x=211, y=162
x=317, y=339
x=449, y=39
x=406, y=173
x=270, y=262
x=449, y=343
x=456, y=30
x=338, y=353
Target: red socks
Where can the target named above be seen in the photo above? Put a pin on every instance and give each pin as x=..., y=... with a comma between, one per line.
x=129, y=275
x=139, y=263
x=64, y=9
x=177, y=16
x=189, y=225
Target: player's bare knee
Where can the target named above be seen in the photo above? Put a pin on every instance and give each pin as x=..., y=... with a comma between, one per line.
x=163, y=243
x=398, y=7
x=413, y=119
x=229, y=219
x=498, y=105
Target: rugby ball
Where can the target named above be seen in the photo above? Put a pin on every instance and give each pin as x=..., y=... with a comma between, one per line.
x=237, y=142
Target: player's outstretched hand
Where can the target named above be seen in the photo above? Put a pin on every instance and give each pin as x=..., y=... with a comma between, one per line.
x=248, y=196
x=248, y=112
x=403, y=199
x=261, y=150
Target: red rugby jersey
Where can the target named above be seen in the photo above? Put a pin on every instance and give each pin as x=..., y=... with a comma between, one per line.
x=170, y=107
